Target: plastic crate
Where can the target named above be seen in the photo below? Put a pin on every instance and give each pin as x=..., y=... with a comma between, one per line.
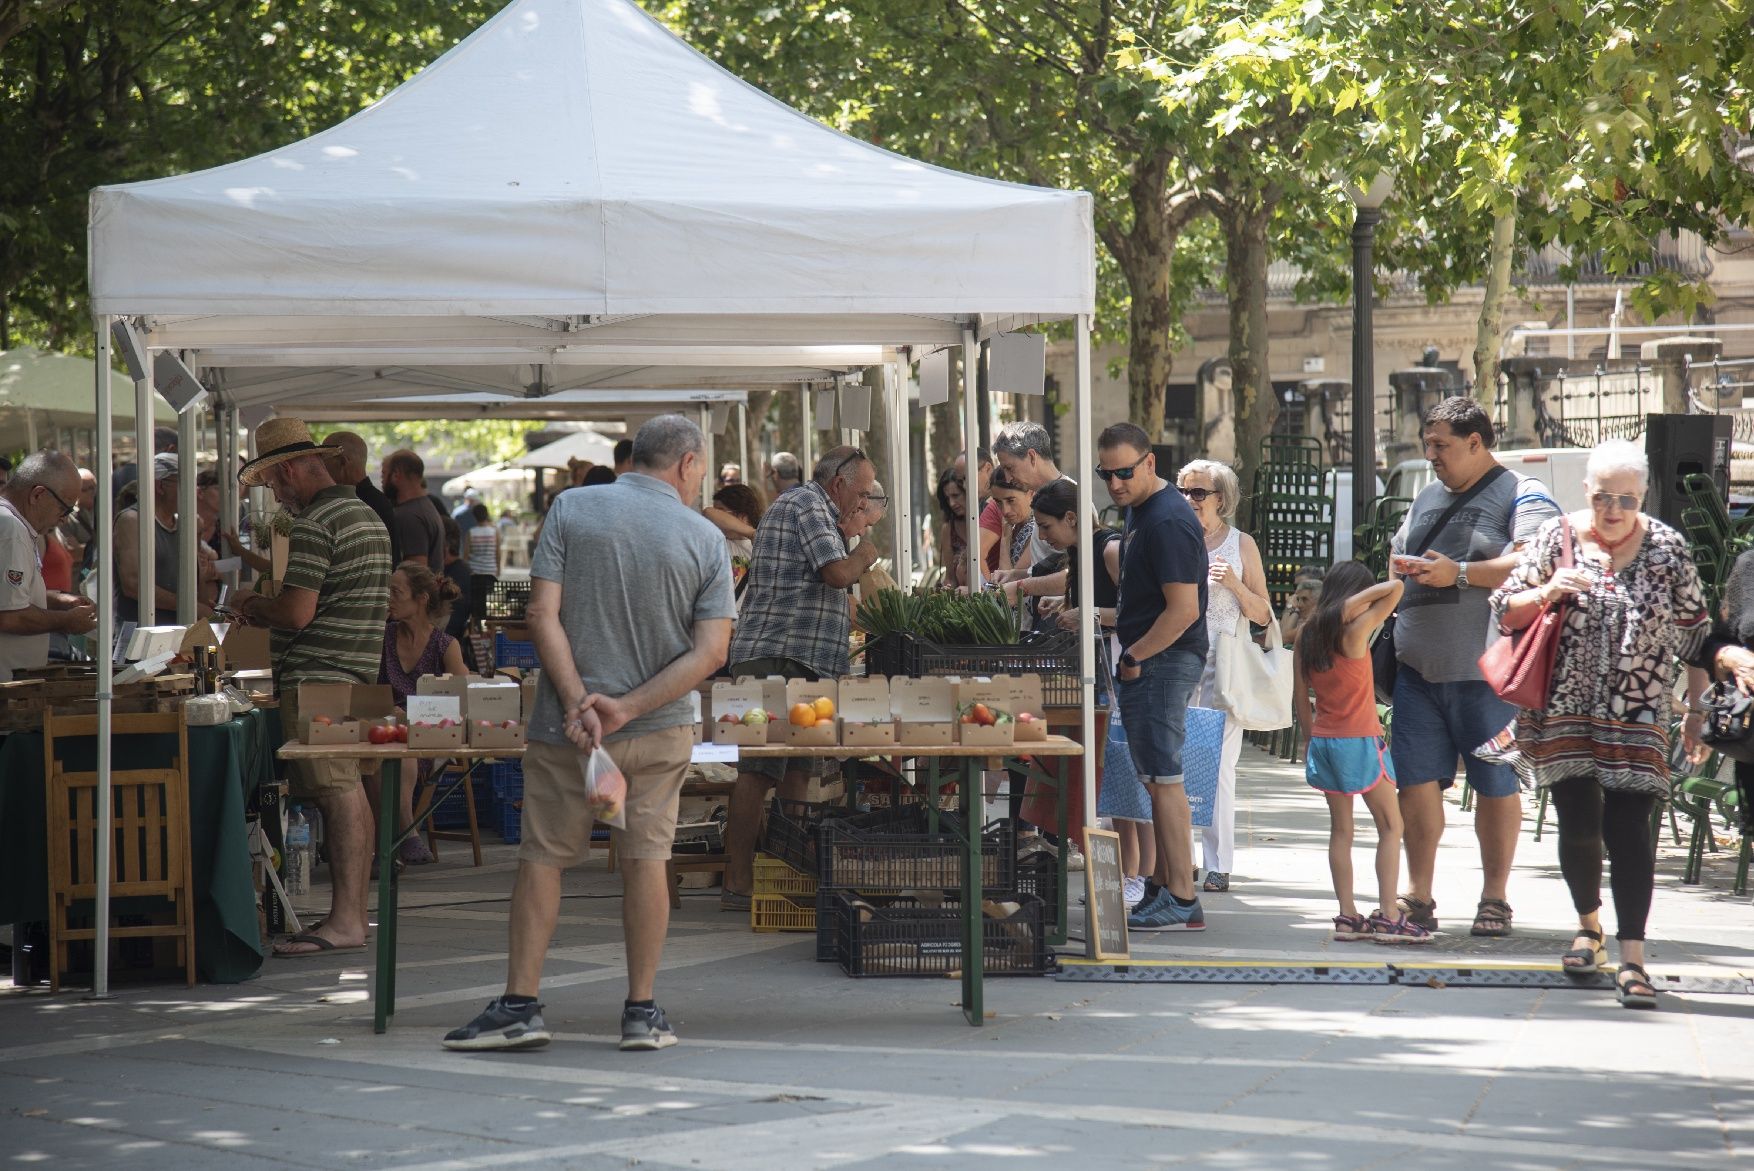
x=792, y=827
x=507, y=776
x=917, y=940
x=452, y=813
x=852, y=858
x=1053, y=656
x=508, y=599
x=509, y=652
x=782, y=913
x=774, y=878
x=1042, y=883
x=828, y=918
x=511, y=821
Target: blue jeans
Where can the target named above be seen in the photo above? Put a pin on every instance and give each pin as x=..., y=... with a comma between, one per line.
x=1154, y=708
x=1435, y=723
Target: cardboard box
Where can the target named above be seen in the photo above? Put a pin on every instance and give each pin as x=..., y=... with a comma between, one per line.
x=822, y=735
x=996, y=695
x=866, y=719
x=246, y=648
x=456, y=686
x=1025, y=699
x=925, y=711
x=735, y=699
x=773, y=694
x=352, y=706
x=494, y=736
x=425, y=712
x=493, y=700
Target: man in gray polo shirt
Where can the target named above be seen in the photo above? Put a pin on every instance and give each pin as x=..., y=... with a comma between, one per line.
x=626, y=623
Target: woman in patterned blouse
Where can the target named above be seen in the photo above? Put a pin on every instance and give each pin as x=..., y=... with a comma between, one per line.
x=1633, y=606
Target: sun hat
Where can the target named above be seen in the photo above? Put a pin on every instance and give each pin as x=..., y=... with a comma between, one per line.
x=278, y=440
x=164, y=466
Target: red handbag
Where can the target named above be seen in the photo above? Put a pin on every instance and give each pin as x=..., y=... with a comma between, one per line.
x=1520, y=667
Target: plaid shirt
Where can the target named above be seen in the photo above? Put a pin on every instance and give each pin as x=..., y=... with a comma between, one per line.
x=788, y=610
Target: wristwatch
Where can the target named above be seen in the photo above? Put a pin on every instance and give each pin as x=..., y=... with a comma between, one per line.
x=1461, y=575
x=1127, y=659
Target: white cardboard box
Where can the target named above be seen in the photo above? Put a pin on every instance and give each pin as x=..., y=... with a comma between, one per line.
x=821, y=735
x=736, y=699
x=924, y=709
x=995, y=694
x=866, y=719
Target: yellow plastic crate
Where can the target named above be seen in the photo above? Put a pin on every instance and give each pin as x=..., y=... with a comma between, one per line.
x=773, y=876
x=781, y=913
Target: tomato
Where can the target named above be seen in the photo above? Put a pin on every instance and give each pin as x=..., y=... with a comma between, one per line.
x=401, y=733
x=983, y=715
x=969, y=719
x=803, y=715
x=380, y=734
x=323, y=720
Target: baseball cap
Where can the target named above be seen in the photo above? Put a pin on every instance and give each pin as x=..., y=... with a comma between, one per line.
x=164, y=466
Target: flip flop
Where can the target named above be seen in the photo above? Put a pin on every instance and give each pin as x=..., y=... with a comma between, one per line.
x=322, y=945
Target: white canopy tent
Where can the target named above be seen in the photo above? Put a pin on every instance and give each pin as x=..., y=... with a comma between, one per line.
x=43, y=394
x=587, y=445
x=573, y=197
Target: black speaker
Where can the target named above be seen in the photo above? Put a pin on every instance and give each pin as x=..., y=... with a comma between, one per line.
x=1679, y=446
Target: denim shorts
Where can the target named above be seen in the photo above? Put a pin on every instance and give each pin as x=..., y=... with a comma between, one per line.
x=1155, y=708
x=1435, y=723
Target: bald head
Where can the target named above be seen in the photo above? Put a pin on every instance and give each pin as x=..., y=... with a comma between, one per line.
x=348, y=464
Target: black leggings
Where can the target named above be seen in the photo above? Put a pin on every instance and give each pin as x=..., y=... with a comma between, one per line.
x=1590, y=816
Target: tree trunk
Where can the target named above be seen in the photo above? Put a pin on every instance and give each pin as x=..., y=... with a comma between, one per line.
x=755, y=416
x=946, y=424
x=789, y=423
x=875, y=443
x=1490, y=333
x=1257, y=406
x=1144, y=256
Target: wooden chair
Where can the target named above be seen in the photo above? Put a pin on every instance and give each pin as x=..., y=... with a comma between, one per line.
x=427, y=790
x=150, y=829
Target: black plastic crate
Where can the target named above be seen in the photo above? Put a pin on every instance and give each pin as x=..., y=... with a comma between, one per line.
x=793, y=827
x=1042, y=883
x=910, y=937
x=508, y=600
x=854, y=858
x=1053, y=656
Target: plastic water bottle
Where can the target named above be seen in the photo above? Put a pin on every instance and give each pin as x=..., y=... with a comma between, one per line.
x=298, y=853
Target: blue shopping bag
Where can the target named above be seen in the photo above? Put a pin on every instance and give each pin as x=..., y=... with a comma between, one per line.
x=1201, y=751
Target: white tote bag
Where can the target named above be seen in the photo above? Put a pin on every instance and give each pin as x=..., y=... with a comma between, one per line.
x=1254, y=685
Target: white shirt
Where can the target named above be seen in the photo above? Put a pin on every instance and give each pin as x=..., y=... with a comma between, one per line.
x=21, y=586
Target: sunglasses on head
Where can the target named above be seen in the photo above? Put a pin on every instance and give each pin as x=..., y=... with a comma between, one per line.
x=1606, y=500
x=1126, y=473
x=1197, y=495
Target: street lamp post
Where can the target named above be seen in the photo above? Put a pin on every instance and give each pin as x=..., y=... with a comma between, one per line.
x=1368, y=201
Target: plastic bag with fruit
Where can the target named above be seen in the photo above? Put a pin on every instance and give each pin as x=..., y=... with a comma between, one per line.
x=605, y=788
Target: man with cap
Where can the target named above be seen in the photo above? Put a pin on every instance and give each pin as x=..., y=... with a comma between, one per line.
x=167, y=567
x=164, y=439
x=39, y=494
x=327, y=626
x=464, y=513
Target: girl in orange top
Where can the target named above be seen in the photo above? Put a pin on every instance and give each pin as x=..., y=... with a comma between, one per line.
x=1347, y=756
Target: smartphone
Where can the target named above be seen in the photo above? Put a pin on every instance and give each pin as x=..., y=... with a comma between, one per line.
x=1405, y=565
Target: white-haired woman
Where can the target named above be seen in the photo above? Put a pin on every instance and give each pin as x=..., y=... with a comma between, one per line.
x=1236, y=586
x=1633, y=606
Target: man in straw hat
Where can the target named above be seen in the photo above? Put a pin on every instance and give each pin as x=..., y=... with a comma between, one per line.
x=327, y=624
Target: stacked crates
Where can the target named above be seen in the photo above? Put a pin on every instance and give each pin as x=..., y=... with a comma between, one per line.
x=508, y=794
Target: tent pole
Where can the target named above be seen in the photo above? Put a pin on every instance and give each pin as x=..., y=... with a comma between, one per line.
x=103, y=639
x=226, y=430
x=145, y=494
x=808, y=455
x=743, y=460
x=712, y=474
x=970, y=435
x=1085, y=459
x=188, y=528
x=901, y=482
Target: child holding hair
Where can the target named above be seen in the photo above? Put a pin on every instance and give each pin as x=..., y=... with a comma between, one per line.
x=1347, y=756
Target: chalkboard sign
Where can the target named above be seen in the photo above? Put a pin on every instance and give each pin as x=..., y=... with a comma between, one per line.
x=1107, y=936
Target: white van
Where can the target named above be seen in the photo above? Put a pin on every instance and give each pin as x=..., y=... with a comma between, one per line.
x=1560, y=468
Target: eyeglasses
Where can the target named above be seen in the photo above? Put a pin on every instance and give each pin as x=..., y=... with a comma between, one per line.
x=1603, y=501
x=1126, y=473
x=879, y=501
x=66, y=508
x=1197, y=495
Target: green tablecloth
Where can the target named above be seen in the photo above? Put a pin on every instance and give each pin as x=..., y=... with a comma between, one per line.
x=226, y=763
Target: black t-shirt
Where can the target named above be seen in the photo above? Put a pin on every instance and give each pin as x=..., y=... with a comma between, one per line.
x=371, y=494
x=416, y=530
x=1162, y=545
x=1107, y=591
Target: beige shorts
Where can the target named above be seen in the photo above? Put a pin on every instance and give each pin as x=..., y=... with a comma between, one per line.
x=312, y=778
x=557, y=822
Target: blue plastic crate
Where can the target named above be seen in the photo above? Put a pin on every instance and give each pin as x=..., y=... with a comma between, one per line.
x=452, y=813
x=506, y=772
x=511, y=822
x=509, y=652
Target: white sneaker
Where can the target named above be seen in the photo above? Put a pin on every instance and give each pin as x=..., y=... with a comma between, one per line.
x=1133, y=889
x=1074, y=858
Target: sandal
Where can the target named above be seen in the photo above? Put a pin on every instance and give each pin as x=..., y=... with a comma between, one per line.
x=1216, y=881
x=1351, y=928
x=1491, y=919
x=1585, y=961
x=1419, y=911
x=1636, y=992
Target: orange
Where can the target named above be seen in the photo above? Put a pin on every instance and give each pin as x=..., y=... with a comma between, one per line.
x=803, y=715
x=824, y=708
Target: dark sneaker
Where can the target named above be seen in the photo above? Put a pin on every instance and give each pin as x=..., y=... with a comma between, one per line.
x=1149, y=894
x=1165, y=914
x=646, y=1028
x=500, y=1027
x=732, y=901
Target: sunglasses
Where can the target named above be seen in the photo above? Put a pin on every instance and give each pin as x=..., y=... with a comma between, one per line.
x=66, y=508
x=1126, y=473
x=846, y=463
x=1197, y=495
x=1603, y=501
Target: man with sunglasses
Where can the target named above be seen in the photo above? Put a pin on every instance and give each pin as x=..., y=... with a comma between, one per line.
x=41, y=493
x=795, y=623
x=1159, y=621
x=1456, y=545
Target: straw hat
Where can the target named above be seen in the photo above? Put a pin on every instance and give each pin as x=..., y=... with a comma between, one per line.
x=279, y=440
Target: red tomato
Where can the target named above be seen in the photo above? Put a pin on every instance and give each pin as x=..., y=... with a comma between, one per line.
x=380, y=734
x=983, y=715
x=401, y=733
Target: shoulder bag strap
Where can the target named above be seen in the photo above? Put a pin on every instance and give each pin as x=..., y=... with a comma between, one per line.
x=1480, y=485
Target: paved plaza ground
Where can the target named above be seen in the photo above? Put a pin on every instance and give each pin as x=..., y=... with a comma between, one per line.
x=785, y=1063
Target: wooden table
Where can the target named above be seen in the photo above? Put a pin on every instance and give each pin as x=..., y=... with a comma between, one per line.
x=970, y=762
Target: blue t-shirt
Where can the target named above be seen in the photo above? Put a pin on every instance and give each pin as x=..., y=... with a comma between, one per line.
x=1162, y=544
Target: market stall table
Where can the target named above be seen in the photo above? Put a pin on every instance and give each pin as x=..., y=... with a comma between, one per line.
x=227, y=762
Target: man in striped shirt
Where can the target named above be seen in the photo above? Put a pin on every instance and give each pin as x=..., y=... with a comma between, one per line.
x=327, y=624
